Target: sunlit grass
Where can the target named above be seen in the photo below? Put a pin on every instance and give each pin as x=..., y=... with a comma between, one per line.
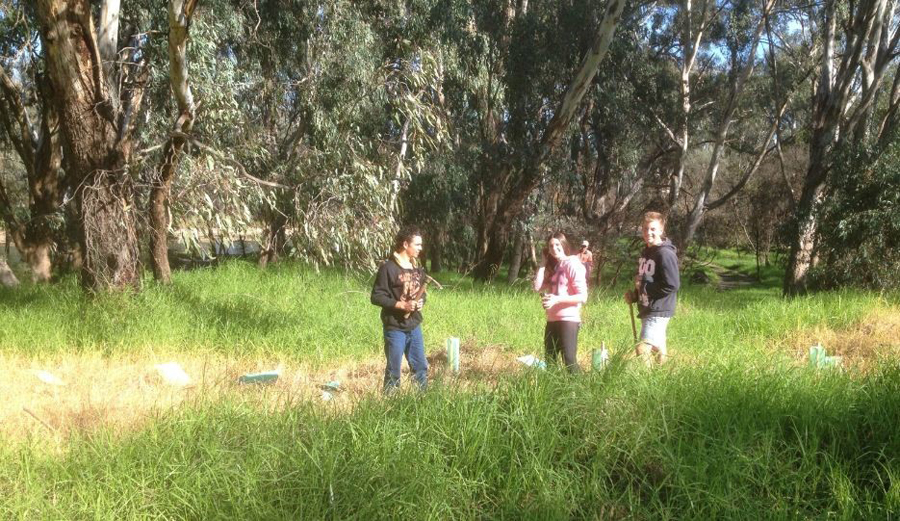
x=736, y=426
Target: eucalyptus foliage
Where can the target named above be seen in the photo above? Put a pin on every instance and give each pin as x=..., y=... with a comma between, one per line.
x=860, y=236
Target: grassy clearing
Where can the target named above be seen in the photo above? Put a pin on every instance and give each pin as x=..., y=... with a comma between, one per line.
x=735, y=427
x=671, y=445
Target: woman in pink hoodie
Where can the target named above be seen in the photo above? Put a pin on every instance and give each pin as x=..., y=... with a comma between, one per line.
x=563, y=287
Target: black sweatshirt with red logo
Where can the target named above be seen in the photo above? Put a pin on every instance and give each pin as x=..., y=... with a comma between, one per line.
x=394, y=283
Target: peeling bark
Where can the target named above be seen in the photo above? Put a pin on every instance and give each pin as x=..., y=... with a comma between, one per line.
x=96, y=154
x=180, y=13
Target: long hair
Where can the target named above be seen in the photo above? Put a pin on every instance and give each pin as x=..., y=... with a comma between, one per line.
x=552, y=262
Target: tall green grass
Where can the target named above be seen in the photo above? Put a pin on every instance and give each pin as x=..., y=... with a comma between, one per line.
x=740, y=429
x=724, y=443
x=321, y=318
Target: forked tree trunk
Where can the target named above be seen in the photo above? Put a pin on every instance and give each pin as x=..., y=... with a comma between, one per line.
x=701, y=200
x=41, y=153
x=838, y=110
x=97, y=144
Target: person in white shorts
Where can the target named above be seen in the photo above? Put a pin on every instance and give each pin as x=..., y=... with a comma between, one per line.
x=655, y=288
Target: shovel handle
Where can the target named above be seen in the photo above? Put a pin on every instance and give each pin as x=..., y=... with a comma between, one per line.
x=633, y=327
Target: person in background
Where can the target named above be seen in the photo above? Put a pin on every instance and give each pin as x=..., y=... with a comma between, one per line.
x=655, y=288
x=563, y=287
x=397, y=291
x=587, y=258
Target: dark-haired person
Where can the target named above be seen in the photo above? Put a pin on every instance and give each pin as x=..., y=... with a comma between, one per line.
x=396, y=285
x=655, y=288
x=563, y=287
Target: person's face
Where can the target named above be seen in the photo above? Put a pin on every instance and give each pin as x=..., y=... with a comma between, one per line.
x=555, y=249
x=653, y=233
x=584, y=247
x=413, y=248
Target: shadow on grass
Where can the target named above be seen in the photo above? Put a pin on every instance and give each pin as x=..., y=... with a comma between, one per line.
x=243, y=318
x=17, y=298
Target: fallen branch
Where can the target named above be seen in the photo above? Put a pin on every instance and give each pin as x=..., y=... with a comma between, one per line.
x=36, y=417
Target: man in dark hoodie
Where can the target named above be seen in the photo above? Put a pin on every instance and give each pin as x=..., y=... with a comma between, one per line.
x=396, y=288
x=655, y=288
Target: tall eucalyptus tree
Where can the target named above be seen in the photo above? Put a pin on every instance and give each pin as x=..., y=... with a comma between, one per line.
x=525, y=88
x=858, y=42
x=97, y=89
x=180, y=13
x=29, y=120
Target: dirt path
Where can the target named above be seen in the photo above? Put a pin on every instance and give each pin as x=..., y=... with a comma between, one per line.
x=731, y=279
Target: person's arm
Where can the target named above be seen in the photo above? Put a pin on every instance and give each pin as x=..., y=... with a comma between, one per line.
x=539, y=277
x=381, y=289
x=575, y=272
x=423, y=281
x=577, y=283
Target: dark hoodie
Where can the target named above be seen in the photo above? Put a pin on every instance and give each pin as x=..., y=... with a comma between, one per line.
x=393, y=283
x=658, y=281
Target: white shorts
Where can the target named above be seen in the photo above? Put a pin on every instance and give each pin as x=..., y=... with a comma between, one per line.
x=653, y=332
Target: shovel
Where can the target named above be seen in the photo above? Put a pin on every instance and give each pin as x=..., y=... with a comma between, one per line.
x=633, y=328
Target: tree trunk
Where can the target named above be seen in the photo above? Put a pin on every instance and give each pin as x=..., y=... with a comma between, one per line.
x=516, y=261
x=159, y=213
x=276, y=239
x=7, y=277
x=436, y=253
x=96, y=152
x=494, y=224
x=800, y=260
x=701, y=206
x=691, y=37
x=70, y=256
x=41, y=153
x=836, y=112
x=180, y=13
x=108, y=236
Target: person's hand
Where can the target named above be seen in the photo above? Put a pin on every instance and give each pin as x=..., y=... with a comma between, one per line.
x=406, y=305
x=629, y=297
x=548, y=301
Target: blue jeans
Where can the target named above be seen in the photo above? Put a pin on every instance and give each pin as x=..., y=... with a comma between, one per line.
x=410, y=343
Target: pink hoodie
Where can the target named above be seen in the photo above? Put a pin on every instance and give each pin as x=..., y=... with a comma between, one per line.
x=568, y=279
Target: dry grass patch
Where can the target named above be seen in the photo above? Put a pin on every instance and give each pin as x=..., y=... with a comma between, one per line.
x=862, y=345
x=121, y=394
